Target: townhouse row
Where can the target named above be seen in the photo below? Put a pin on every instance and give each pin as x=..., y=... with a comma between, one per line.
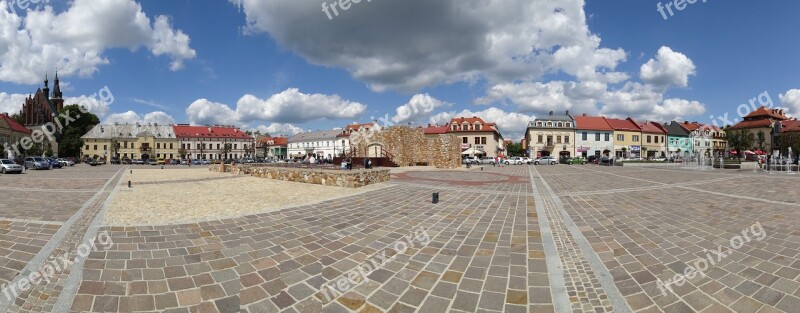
x=566, y=135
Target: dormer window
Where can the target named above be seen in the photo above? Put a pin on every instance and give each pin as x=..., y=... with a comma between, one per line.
x=569, y=124
x=559, y=125
x=549, y=124
x=538, y=124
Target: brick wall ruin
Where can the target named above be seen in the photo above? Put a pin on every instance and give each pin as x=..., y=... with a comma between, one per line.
x=409, y=146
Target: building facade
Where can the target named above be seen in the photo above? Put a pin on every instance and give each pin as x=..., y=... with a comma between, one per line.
x=324, y=144
x=475, y=133
x=551, y=135
x=272, y=148
x=131, y=141
x=11, y=134
x=627, y=138
x=214, y=142
x=679, y=145
x=762, y=121
x=654, y=140
x=593, y=136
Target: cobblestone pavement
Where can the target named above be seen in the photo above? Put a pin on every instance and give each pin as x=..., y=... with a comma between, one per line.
x=501, y=239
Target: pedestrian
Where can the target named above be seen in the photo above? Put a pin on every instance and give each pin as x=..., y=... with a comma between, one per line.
x=369, y=163
x=350, y=164
x=344, y=164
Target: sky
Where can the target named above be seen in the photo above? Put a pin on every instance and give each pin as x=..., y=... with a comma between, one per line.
x=284, y=66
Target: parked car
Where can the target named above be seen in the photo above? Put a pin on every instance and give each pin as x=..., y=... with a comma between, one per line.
x=518, y=161
x=36, y=163
x=487, y=160
x=174, y=162
x=127, y=161
x=551, y=160
x=606, y=161
x=152, y=162
x=139, y=162
x=471, y=160
x=8, y=166
x=65, y=162
x=577, y=160
x=161, y=161
x=115, y=160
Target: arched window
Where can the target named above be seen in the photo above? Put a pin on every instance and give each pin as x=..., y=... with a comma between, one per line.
x=538, y=124
x=549, y=124
x=559, y=125
x=569, y=125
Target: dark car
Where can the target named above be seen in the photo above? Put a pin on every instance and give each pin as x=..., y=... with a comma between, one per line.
x=54, y=163
x=606, y=161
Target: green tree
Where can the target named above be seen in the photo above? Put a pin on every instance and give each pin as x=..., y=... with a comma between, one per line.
x=761, y=139
x=18, y=118
x=790, y=140
x=115, y=148
x=514, y=149
x=226, y=148
x=182, y=153
x=739, y=140
x=75, y=125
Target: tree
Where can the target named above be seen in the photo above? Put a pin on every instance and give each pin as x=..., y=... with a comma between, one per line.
x=790, y=140
x=514, y=149
x=182, y=153
x=18, y=118
x=226, y=148
x=114, y=148
x=75, y=125
x=624, y=150
x=739, y=140
x=761, y=139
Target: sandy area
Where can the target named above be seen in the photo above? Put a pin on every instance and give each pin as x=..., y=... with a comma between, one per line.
x=188, y=202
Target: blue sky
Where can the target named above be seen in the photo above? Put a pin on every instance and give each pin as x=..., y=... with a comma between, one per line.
x=284, y=66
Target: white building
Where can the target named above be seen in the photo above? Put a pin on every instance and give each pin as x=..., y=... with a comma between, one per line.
x=324, y=144
x=214, y=142
x=593, y=136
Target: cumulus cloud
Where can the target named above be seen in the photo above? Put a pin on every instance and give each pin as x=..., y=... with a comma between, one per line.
x=132, y=117
x=498, y=40
x=11, y=103
x=205, y=112
x=276, y=129
x=93, y=104
x=512, y=124
x=421, y=106
x=74, y=41
x=292, y=106
x=669, y=68
x=537, y=97
x=790, y=102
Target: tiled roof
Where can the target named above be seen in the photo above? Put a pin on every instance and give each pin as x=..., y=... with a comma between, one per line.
x=622, y=125
x=652, y=128
x=315, y=136
x=109, y=131
x=435, y=130
x=764, y=112
x=674, y=129
x=592, y=123
x=186, y=131
x=790, y=126
x=753, y=124
x=276, y=141
x=17, y=127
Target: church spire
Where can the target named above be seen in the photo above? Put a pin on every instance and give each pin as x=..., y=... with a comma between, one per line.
x=56, y=88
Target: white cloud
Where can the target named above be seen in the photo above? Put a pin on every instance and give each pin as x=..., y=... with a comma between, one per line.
x=74, y=41
x=132, y=117
x=93, y=103
x=204, y=112
x=500, y=40
x=421, y=106
x=292, y=106
x=512, y=124
x=537, y=97
x=276, y=129
x=669, y=68
x=790, y=102
x=11, y=103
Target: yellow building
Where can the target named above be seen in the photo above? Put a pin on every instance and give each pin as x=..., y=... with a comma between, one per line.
x=627, y=138
x=132, y=141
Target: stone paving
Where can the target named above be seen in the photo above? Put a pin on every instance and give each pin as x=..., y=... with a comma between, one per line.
x=501, y=239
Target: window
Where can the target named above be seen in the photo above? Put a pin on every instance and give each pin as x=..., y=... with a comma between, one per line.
x=558, y=139
x=170, y=146
x=87, y=147
x=620, y=137
x=477, y=140
x=125, y=144
x=483, y=140
x=464, y=140
x=608, y=137
x=569, y=124
x=596, y=137
x=549, y=124
x=158, y=146
x=558, y=124
x=105, y=147
x=566, y=139
x=538, y=124
x=648, y=139
x=539, y=139
x=635, y=137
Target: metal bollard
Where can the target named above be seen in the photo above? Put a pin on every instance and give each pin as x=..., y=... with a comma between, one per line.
x=435, y=199
x=129, y=184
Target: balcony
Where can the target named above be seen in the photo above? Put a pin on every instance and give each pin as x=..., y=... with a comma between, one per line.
x=549, y=143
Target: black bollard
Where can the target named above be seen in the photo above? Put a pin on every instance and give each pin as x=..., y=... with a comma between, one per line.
x=481, y=168
x=131, y=171
x=435, y=199
x=129, y=184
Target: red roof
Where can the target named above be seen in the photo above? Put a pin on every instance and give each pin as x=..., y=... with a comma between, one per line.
x=17, y=127
x=762, y=123
x=592, y=123
x=764, y=112
x=186, y=131
x=652, y=128
x=790, y=126
x=357, y=127
x=622, y=125
x=276, y=141
x=435, y=130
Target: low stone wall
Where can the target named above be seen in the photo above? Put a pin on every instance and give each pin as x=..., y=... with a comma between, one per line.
x=337, y=178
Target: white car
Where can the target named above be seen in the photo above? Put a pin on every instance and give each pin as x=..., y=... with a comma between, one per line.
x=65, y=162
x=551, y=160
x=517, y=161
x=8, y=166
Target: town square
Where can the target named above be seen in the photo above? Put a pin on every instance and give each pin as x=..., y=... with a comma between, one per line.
x=277, y=156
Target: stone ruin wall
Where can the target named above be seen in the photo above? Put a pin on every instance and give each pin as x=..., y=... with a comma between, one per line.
x=409, y=146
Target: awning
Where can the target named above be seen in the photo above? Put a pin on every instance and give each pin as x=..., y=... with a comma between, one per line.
x=472, y=151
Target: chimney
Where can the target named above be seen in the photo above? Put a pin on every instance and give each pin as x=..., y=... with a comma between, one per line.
x=584, y=114
x=567, y=112
x=551, y=113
